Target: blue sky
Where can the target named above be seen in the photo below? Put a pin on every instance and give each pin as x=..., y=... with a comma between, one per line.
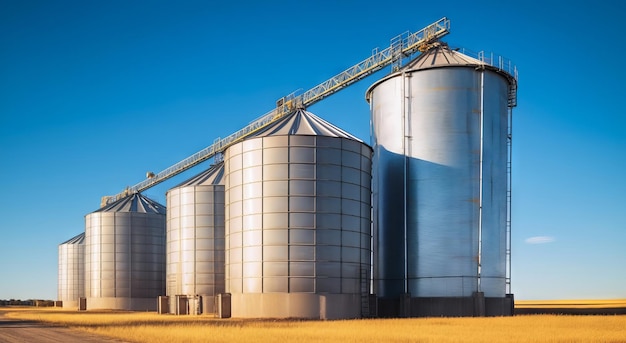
x=93, y=94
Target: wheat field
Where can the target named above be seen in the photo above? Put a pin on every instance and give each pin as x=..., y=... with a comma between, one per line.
x=600, y=303
x=152, y=327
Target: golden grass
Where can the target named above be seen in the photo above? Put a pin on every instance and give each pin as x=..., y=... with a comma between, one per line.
x=151, y=327
x=606, y=303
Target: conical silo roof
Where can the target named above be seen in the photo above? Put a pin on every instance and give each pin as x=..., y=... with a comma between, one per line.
x=304, y=123
x=442, y=56
x=78, y=239
x=134, y=203
x=212, y=176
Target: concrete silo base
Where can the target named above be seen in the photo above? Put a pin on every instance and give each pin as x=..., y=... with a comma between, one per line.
x=296, y=305
x=127, y=304
x=474, y=306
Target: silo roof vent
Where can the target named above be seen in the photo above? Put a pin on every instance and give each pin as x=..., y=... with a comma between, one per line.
x=440, y=55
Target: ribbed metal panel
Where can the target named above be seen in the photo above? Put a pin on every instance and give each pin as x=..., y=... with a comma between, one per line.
x=298, y=209
x=430, y=123
x=71, y=276
x=134, y=203
x=195, y=238
x=125, y=255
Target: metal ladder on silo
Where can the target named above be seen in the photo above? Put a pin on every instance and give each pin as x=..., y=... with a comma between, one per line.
x=512, y=96
x=365, y=296
x=509, y=182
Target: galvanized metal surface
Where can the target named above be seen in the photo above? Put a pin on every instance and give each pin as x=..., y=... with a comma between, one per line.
x=429, y=155
x=297, y=220
x=195, y=238
x=71, y=277
x=125, y=255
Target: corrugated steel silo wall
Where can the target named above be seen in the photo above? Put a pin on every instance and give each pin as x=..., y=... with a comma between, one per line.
x=71, y=276
x=493, y=256
x=195, y=243
x=298, y=212
x=124, y=260
x=426, y=128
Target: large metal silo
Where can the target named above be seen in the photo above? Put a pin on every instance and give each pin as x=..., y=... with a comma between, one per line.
x=195, y=242
x=125, y=255
x=71, y=285
x=298, y=218
x=440, y=128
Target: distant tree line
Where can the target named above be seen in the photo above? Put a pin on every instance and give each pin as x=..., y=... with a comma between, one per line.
x=30, y=302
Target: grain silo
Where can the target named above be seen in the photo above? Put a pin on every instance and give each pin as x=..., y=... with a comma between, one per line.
x=71, y=285
x=440, y=128
x=298, y=217
x=125, y=255
x=195, y=242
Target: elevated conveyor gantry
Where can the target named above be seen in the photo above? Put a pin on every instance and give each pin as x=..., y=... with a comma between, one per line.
x=401, y=46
